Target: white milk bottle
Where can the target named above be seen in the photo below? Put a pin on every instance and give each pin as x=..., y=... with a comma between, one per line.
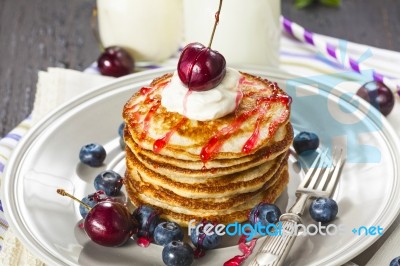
x=248, y=32
x=151, y=30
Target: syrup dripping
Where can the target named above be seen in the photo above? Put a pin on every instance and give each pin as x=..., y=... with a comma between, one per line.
x=145, y=240
x=246, y=249
x=146, y=90
x=251, y=142
x=160, y=143
x=215, y=143
x=149, y=115
x=200, y=251
x=274, y=125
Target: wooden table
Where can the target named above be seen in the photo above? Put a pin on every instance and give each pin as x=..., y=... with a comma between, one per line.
x=37, y=34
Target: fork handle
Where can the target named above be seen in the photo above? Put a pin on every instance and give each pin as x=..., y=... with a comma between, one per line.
x=275, y=249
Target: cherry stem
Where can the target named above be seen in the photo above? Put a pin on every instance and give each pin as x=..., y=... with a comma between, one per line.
x=62, y=192
x=215, y=23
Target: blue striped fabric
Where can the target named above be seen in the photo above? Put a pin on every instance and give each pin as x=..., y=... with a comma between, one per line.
x=7, y=145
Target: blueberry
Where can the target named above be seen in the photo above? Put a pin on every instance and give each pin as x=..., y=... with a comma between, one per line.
x=121, y=129
x=92, y=154
x=395, y=262
x=177, y=253
x=265, y=214
x=122, y=143
x=166, y=232
x=89, y=201
x=323, y=210
x=109, y=181
x=147, y=218
x=305, y=141
x=202, y=240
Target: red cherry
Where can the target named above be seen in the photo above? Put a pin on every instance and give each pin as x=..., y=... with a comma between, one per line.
x=109, y=223
x=200, y=68
x=378, y=95
x=115, y=62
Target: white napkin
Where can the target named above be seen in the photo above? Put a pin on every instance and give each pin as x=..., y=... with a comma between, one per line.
x=55, y=87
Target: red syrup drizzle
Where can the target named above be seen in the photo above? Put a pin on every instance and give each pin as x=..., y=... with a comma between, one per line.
x=246, y=249
x=160, y=143
x=147, y=92
x=215, y=143
x=149, y=115
x=143, y=91
x=285, y=99
x=199, y=251
x=251, y=142
x=143, y=241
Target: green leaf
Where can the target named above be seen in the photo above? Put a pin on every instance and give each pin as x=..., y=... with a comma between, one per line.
x=302, y=3
x=332, y=3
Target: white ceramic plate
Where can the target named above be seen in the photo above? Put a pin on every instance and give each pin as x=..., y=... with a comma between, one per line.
x=47, y=159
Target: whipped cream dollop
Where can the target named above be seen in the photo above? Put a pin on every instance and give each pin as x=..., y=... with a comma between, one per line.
x=203, y=105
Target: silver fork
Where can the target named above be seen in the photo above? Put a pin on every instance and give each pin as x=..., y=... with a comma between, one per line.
x=319, y=181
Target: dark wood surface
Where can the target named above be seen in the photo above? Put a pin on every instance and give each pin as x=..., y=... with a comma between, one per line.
x=37, y=34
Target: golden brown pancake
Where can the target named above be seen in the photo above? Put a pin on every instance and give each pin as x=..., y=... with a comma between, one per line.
x=216, y=170
x=195, y=205
x=187, y=168
x=269, y=196
x=249, y=180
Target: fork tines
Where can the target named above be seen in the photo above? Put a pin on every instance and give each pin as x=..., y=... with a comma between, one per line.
x=322, y=176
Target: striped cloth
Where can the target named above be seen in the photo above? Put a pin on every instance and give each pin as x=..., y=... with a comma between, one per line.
x=7, y=145
x=296, y=57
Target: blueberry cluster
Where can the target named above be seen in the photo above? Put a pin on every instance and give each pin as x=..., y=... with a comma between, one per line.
x=167, y=234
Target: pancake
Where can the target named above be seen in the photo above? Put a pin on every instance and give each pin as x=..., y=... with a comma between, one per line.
x=264, y=108
x=217, y=169
x=237, y=214
x=198, y=205
x=170, y=165
x=240, y=182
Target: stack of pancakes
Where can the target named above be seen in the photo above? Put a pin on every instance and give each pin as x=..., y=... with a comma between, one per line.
x=216, y=170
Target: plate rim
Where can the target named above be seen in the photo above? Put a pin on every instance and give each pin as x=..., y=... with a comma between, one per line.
x=22, y=149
